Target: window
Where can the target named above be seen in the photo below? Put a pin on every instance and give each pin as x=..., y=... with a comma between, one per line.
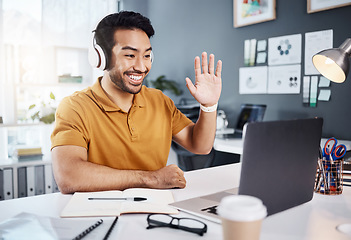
x=43, y=49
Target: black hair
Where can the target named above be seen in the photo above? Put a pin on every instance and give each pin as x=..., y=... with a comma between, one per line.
x=105, y=30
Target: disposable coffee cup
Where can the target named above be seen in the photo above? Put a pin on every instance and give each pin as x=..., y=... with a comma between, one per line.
x=241, y=217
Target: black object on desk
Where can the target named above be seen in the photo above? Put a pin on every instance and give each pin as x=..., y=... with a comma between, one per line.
x=110, y=229
x=135, y=199
x=88, y=230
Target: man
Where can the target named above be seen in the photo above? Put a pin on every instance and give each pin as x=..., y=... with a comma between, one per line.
x=117, y=133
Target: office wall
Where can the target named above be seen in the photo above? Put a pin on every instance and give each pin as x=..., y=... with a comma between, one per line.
x=185, y=28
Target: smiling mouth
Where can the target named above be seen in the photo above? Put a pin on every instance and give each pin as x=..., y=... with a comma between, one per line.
x=135, y=79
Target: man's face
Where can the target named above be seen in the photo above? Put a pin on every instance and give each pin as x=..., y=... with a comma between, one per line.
x=131, y=60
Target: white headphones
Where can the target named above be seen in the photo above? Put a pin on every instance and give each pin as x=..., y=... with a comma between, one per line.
x=97, y=57
x=152, y=56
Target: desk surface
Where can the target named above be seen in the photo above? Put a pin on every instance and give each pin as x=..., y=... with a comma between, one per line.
x=316, y=219
x=235, y=145
x=229, y=145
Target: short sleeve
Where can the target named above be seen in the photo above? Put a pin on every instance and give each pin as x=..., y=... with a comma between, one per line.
x=179, y=120
x=70, y=125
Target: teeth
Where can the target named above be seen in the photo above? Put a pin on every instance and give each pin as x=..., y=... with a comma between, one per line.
x=135, y=77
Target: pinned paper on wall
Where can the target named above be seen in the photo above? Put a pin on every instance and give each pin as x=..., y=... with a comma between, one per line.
x=324, y=95
x=313, y=91
x=284, y=79
x=250, y=52
x=247, y=52
x=261, y=58
x=314, y=43
x=324, y=82
x=261, y=45
x=284, y=50
x=306, y=90
x=253, y=80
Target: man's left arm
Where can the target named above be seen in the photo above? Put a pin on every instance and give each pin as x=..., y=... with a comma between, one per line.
x=198, y=138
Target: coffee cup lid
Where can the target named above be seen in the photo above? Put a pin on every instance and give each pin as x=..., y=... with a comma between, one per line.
x=241, y=208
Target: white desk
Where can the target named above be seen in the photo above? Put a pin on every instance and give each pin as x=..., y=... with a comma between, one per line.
x=235, y=145
x=314, y=220
x=229, y=145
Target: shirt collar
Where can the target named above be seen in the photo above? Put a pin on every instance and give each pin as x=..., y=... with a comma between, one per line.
x=109, y=106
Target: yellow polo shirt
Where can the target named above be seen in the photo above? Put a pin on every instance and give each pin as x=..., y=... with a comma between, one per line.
x=138, y=139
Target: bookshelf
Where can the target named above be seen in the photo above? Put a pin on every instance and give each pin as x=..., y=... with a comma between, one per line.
x=26, y=178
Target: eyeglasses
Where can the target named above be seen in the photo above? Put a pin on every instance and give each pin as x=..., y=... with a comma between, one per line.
x=186, y=224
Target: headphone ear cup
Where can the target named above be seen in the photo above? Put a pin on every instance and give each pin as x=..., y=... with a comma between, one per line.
x=102, y=57
x=93, y=57
x=97, y=57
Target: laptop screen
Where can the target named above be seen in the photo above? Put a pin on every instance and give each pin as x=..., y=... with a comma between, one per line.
x=279, y=162
x=250, y=113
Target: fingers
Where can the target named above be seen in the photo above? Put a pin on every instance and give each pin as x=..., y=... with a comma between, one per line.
x=204, y=63
x=181, y=182
x=190, y=86
x=211, y=65
x=219, y=69
x=207, y=67
x=170, y=176
x=197, y=67
x=176, y=175
x=178, y=179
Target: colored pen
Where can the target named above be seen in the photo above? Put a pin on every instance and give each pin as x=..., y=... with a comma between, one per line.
x=135, y=199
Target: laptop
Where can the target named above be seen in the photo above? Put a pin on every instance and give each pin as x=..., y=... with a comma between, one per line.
x=248, y=113
x=279, y=163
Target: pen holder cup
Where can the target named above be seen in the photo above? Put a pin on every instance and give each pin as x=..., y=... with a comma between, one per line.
x=329, y=177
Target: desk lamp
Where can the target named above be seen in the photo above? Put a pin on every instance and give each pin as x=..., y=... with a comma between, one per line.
x=334, y=63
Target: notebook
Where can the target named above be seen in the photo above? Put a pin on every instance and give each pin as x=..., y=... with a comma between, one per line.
x=279, y=163
x=115, y=203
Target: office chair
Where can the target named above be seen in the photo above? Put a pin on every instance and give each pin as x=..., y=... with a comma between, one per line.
x=188, y=161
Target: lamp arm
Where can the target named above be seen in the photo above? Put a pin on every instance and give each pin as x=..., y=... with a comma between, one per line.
x=346, y=46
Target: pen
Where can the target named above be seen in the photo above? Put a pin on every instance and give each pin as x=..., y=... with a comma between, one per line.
x=135, y=199
x=331, y=158
x=320, y=180
x=110, y=229
x=324, y=175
